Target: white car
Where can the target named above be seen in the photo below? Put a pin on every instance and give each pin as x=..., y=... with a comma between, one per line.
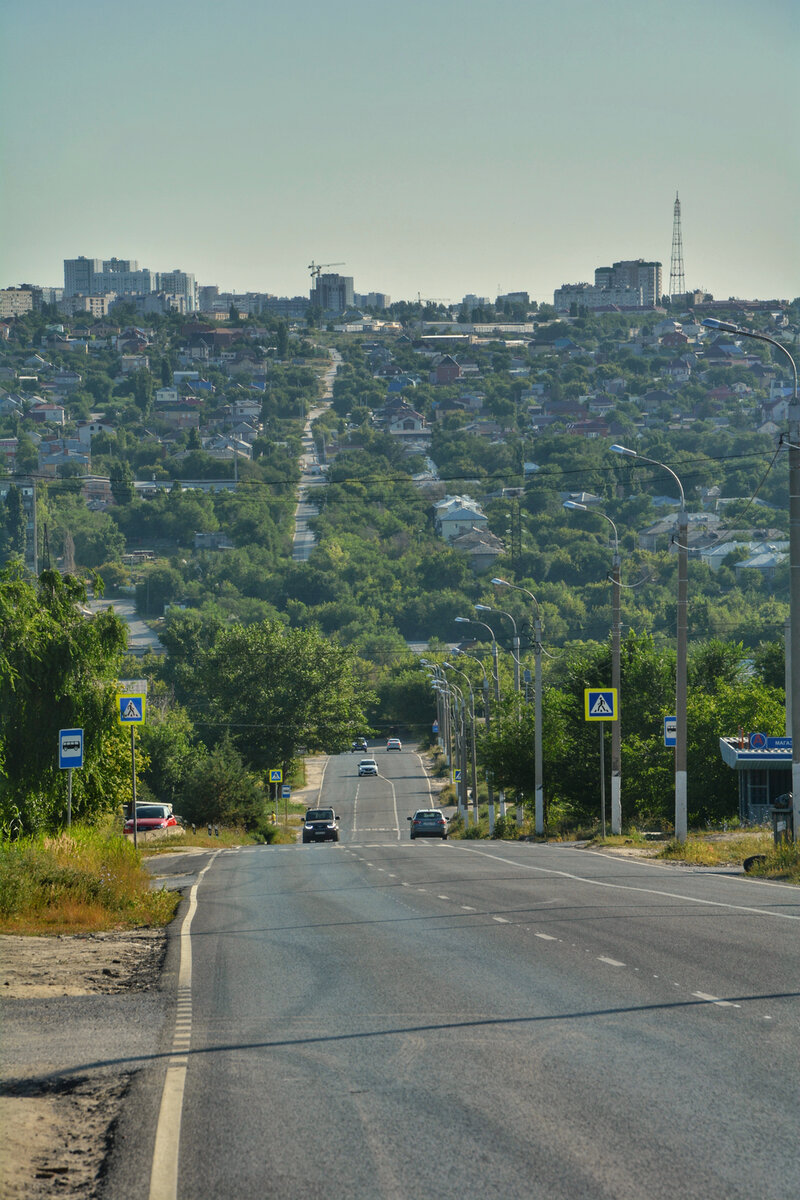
x=368, y=766
x=394, y=744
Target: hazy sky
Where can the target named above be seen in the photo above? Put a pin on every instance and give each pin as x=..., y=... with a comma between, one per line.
x=432, y=146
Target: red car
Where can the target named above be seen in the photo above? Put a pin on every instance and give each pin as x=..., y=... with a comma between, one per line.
x=151, y=816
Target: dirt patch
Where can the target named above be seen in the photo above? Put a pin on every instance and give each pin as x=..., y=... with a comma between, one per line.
x=56, y=1133
x=55, y=1140
x=81, y=964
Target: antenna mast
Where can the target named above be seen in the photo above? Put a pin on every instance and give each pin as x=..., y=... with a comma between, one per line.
x=677, y=285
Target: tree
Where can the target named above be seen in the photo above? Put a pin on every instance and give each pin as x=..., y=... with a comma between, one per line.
x=282, y=344
x=220, y=790
x=15, y=523
x=276, y=690
x=56, y=672
x=121, y=478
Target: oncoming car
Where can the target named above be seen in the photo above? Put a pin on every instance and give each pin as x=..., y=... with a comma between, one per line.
x=320, y=825
x=394, y=744
x=368, y=766
x=428, y=822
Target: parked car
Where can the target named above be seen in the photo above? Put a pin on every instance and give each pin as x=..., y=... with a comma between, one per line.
x=151, y=816
x=394, y=744
x=428, y=822
x=320, y=825
x=368, y=766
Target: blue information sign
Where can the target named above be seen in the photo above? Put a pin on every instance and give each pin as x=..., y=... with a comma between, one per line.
x=70, y=748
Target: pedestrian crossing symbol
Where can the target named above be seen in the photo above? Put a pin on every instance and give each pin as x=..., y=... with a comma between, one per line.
x=600, y=704
x=131, y=709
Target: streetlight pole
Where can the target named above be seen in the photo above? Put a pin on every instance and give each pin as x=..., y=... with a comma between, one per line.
x=515, y=643
x=537, y=705
x=487, y=717
x=681, y=645
x=449, y=666
x=616, y=674
x=792, y=693
x=496, y=674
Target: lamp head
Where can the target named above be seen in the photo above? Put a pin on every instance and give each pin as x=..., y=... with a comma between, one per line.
x=724, y=326
x=623, y=450
x=463, y=620
x=574, y=504
x=483, y=608
x=501, y=583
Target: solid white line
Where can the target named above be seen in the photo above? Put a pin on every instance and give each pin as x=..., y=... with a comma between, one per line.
x=355, y=805
x=164, y=1171
x=612, y=962
x=627, y=887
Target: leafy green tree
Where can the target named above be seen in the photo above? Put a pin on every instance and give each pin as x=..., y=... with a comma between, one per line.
x=14, y=524
x=277, y=690
x=121, y=477
x=56, y=672
x=220, y=790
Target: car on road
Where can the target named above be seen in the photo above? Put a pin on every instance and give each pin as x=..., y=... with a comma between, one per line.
x=368, y=766
x=152, y=816
x=359, y=744
x=394, y=744
x=428, y=822
x=320, y=825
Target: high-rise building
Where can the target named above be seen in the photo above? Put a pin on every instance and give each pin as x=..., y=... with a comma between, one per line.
x=633, y=273
x=79, y=275
x=179, y=283
x=333, y=293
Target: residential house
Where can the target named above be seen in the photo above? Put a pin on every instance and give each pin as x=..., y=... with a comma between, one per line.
x=456, y=515
x=481, y=547
x=44, y=413
x=445, y=371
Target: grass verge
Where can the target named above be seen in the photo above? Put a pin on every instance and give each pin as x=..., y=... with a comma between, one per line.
x=77, y=882
x=716, y=850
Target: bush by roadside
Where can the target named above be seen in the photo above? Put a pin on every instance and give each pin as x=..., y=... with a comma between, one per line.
x=85, y=880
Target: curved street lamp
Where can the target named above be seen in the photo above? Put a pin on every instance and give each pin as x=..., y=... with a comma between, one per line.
x=616, y=673
x=793, y=683
x=681, y=644
x=472, y=621
x=515, y=654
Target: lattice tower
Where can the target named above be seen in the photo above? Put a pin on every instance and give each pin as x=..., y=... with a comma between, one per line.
x=677, y=284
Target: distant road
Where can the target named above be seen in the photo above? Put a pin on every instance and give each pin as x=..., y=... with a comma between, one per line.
x=311, y=475
x=468, y=1019
x=140, y=636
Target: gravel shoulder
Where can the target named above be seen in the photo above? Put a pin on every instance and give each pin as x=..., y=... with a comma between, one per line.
x=63, y=1002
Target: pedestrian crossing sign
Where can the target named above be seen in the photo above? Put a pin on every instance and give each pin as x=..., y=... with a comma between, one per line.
x=131, y=708
x=457, y=775
x=600, y=704
x=276, y=775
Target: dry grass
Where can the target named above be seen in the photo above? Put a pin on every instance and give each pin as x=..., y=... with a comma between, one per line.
x=716, y=850
x=75, y=883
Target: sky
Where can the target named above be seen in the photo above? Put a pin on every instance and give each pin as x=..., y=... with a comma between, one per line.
x=431, y=147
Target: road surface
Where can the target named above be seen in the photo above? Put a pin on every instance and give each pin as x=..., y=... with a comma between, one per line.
x=387, y=1018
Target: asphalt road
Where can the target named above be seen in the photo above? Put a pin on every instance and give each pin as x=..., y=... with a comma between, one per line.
x=387, y=1018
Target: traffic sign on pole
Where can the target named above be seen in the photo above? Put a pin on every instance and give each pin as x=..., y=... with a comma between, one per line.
x=456, y=775
x=131, y=708
x=276, y=775
x=600, y=704
x=286, y=791
x=70, y=748
x=670, y=731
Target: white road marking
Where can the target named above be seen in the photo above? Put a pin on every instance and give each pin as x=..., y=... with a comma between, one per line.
x=355, y=804
x=164, y=1169
x=716, y=1000
x=546, y=937
x=468, y=907
x=628, y=887
x=612, y=962
x=501, y=920
x=442, y=897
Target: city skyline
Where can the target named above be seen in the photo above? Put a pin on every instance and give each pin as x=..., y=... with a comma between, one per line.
x=437, y=149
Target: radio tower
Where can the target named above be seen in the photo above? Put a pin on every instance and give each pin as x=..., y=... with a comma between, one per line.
x=677, y=285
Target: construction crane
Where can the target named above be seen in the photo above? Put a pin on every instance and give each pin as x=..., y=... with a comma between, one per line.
x=317, y=268
x=432, y=299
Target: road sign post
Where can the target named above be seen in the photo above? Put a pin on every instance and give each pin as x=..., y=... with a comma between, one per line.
x=670, y=731
x=131, y=711
x=600, y=704
x=70, y=755
x=275, y=779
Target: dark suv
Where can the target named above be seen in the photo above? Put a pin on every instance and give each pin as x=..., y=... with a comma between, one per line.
x=320, y=825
